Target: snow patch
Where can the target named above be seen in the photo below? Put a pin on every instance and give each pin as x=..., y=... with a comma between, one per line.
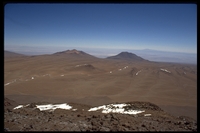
x=125, y=67
x=147, y=114
x=52, y=107
x=110, y=71
x=62, y=75
x=115, y=108
x=165, y=70
x=21, y=106
x=32, y=78
x=6, y=84
x=26, y=105
x=10, y=82
x=138, y=72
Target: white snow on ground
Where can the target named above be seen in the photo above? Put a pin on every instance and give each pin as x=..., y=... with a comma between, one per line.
x=147, y=114
x=165, y=70
x=115, y=108
x=125, y=67
x=50, y=107
x=15, y=80
x=53, y=107
x=6, y=84
x=138, y=72
x=110, y=71
x=21, y=106
x=10, y=82
x=81, y=65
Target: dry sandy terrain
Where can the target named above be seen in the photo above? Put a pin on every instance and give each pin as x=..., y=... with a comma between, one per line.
x=81, y=78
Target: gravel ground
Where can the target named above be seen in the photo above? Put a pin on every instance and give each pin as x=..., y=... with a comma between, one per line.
x=31, y=118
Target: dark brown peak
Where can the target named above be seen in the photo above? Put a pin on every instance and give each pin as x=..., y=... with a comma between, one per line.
x=125, y=52
x=127, y=55
x=73, y=51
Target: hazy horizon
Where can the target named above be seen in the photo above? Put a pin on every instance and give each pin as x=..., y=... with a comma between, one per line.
x=149, y=54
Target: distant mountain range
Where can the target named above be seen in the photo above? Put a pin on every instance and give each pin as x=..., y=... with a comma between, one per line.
x=137, y=55
x=80, y=54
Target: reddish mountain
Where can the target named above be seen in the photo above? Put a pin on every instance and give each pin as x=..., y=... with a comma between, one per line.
x=74, y=53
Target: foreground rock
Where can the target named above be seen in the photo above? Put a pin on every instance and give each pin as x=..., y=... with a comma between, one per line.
x=153, y=118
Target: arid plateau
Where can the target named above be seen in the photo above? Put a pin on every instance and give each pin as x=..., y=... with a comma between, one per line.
x=74, y=76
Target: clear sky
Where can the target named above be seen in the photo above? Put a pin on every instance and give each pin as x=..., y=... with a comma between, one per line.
x=57, y=27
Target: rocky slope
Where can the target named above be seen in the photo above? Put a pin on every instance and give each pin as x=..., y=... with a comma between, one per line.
x=78, y=118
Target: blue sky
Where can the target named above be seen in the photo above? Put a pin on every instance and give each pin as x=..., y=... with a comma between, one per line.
x=49, y=28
